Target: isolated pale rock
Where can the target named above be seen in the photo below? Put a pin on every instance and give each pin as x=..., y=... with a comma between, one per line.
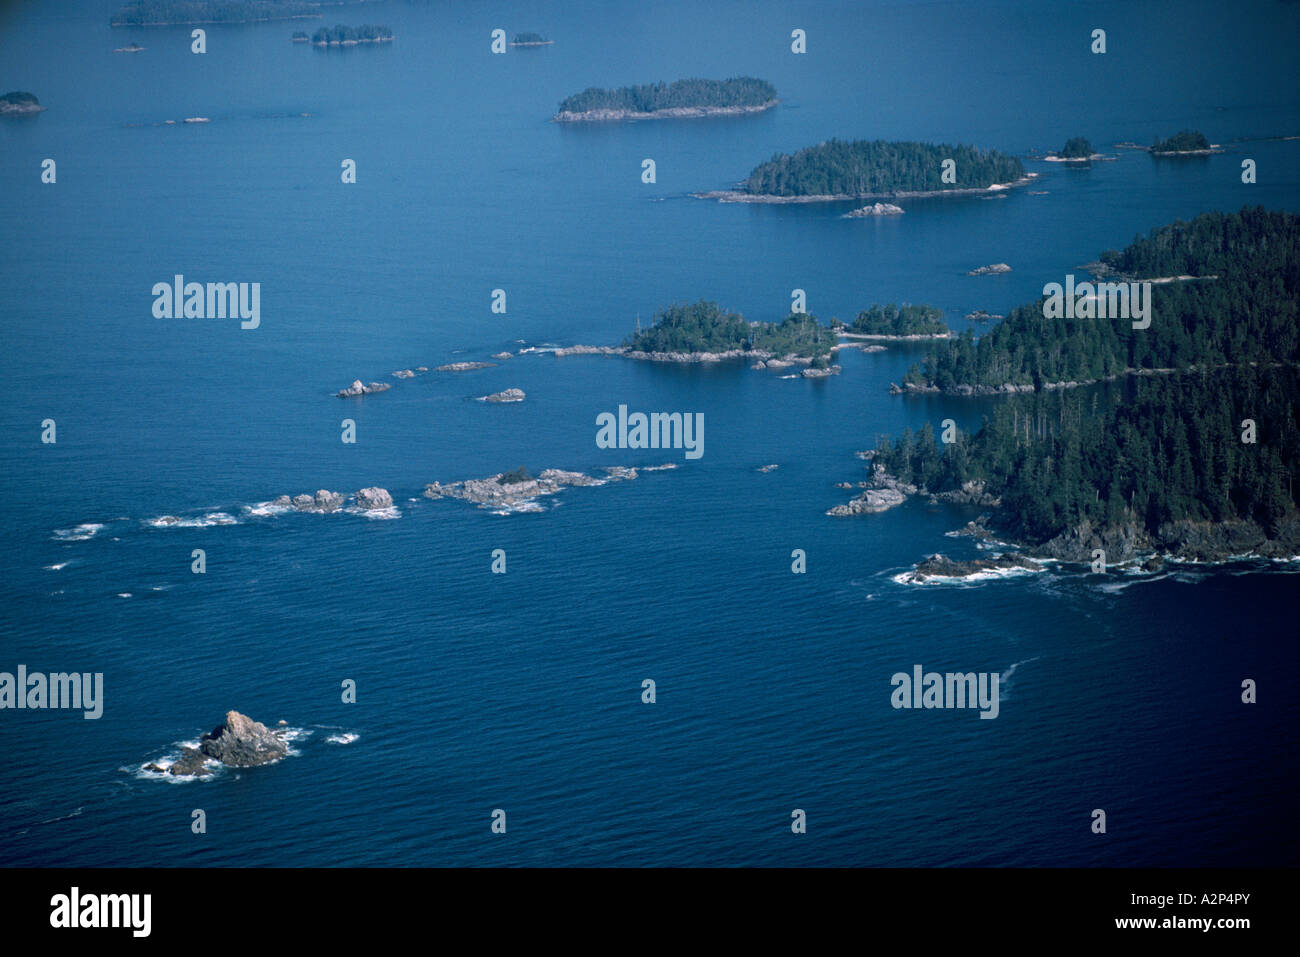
x=374, y=498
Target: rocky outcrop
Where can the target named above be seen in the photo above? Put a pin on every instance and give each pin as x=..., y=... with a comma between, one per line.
x=19, y=104
x=508, y=395
x=883, y=492
x=359, y=388
x=374, y=498
x=404, y=374
x=940, y=566
x=511, y=489
x=238, y=742
x=970, y=493
x=994, y=270
x=811, y=373
x=323, y=501
x=502, y=355
x=870, y=502
x=463, y=366
x=875, y=209
x=591, y=351
x=242, y=742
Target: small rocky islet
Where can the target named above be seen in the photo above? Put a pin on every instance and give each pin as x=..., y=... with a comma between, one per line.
x=238, y=742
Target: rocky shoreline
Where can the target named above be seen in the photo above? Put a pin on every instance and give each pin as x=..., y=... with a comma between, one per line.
x=678, y=112
x=740, y=196
x=1180, y=541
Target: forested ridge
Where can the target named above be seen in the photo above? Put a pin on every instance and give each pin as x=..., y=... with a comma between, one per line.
x=1247, y=314
x=1170, y=449
x=1150, y=453
x=875, y=167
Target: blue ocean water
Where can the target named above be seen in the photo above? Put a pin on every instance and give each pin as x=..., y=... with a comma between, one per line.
x=522, y=691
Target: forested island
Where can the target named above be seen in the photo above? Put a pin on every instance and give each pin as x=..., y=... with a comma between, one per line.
x=166, y=12
x=341, y=35
x=1196, y=462
x=1077, y=147
x=18, y=103
x=874, y=169
x=693, y=97
x=899, y=322
x=704, y=328
x=530, y=40
x=1188, y=141
x=1226, y=311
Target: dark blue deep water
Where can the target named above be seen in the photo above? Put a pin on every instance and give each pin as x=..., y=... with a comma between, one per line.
x=522, y=691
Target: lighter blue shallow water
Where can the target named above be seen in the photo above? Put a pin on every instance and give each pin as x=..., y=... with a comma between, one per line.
x=522, y=691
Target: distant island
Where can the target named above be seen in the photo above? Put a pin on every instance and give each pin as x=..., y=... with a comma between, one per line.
x=299, y=37
x=684, y=98
x=129, y=48
x=530, y=40
x=341, y=35
x=874, y=169
x=150, y=13
x=1077, y=149
x=1188, y=142
x=19, y=104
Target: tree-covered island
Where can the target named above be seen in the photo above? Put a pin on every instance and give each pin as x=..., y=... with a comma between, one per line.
x=875, y=169
x=703, y=331
x=1188, y=141
x=143, y=13
x=18, y=103
x=899, y=322
x=683, y=98
x=341, y=35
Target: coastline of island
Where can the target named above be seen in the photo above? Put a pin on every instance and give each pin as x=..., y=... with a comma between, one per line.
x=740, y=196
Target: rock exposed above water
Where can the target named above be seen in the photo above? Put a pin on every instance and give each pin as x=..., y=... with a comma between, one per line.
x=940, y=566
x=883, y=493
x=508, y=395
x=323, y=501
x=359, y=388
x=238, y=742
x=875, y=209
x=374, y=498
x=242, y=742
x=463, y=366
x=994, y=270
x=505, y=490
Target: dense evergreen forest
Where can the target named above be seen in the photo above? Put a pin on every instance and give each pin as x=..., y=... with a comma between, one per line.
x=1181, y=142
x=1248, y=314
x=705, y=327
x=1148, y=450
x=210, y=11
x=1169, y=449
x=651, y=97
x=1076, y=147
x=341, y=34
x=906, y=320
x=867, y=168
